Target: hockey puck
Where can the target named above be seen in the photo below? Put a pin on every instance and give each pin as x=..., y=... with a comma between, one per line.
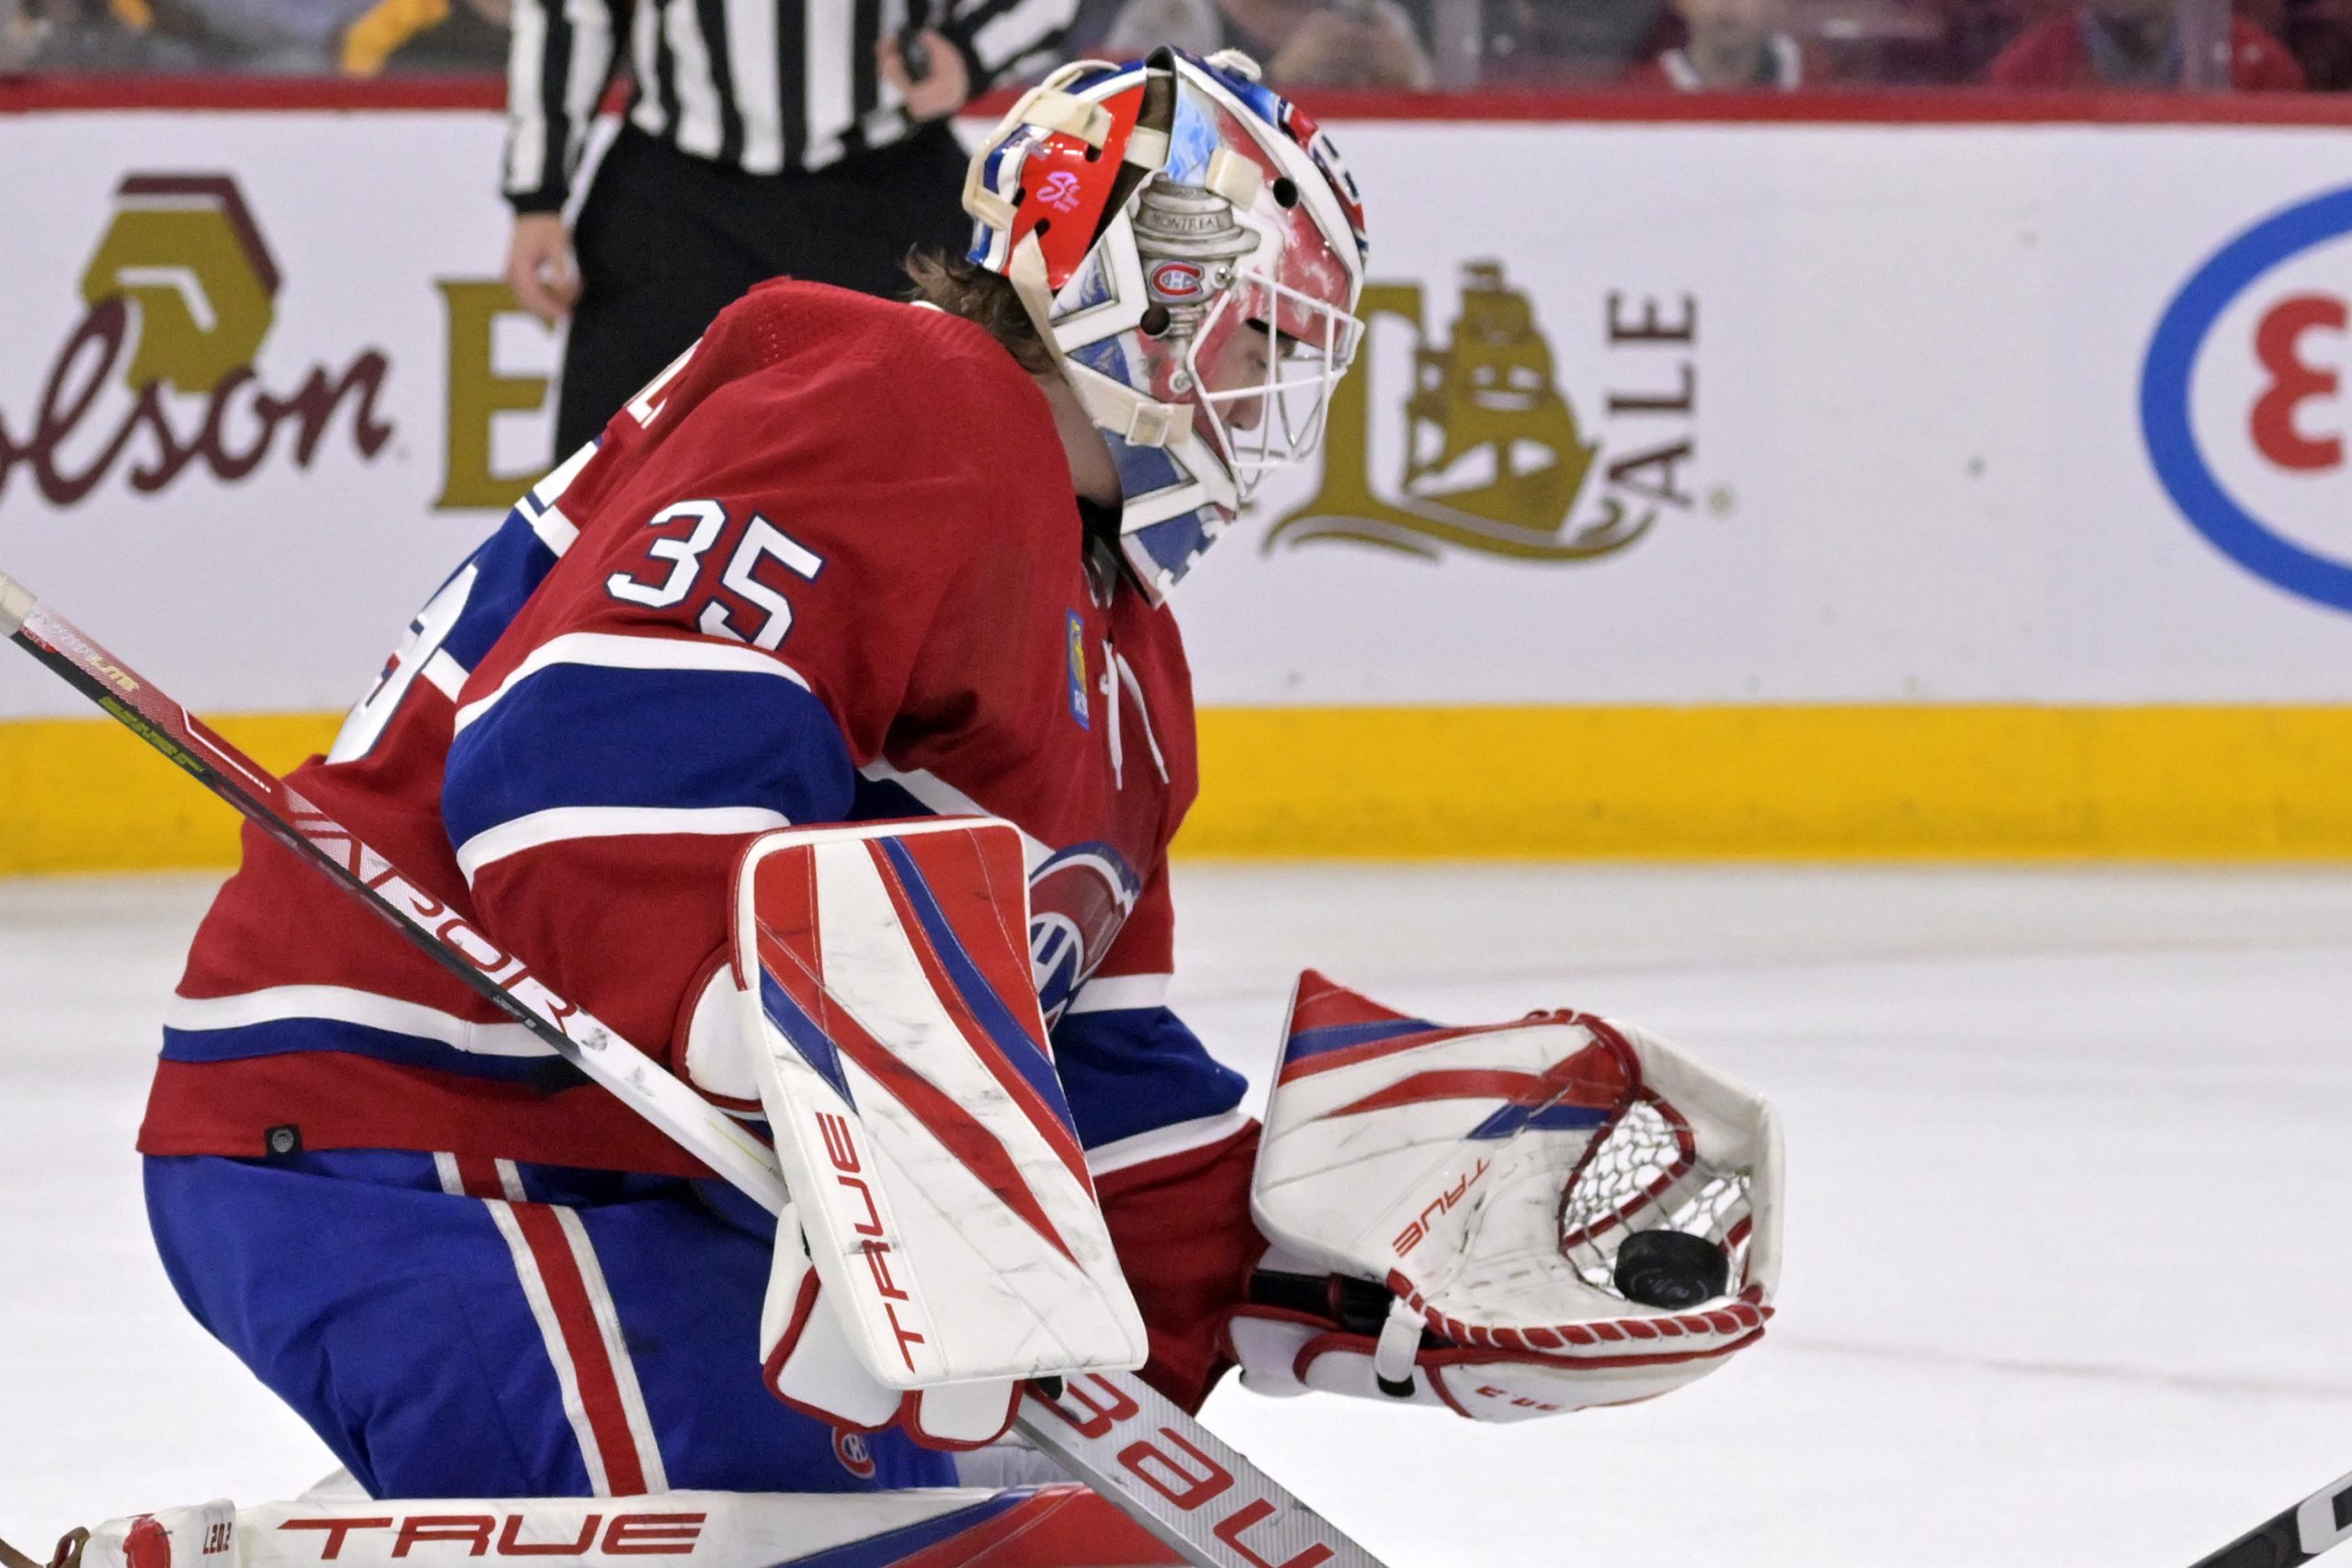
x=1670, y=1268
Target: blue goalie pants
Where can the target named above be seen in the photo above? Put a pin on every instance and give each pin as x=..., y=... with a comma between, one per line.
x=468, y=1328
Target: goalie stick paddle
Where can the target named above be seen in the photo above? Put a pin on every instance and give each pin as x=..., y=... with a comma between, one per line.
x=1111, y=1431
x=2301, y=1534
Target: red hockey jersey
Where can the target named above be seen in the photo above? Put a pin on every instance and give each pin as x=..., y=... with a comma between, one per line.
x=828, y=568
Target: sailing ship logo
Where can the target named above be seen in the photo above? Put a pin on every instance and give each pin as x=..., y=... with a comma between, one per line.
x=1495, y=459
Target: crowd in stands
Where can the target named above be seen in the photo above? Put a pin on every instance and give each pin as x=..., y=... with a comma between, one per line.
x=1408, y=45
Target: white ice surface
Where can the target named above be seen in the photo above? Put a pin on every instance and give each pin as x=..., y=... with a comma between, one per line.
x=2069, y=1155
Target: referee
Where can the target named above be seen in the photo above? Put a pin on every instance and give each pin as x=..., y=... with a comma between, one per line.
x=763, y=138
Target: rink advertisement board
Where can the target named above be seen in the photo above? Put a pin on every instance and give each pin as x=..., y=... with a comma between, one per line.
x=1764, y=487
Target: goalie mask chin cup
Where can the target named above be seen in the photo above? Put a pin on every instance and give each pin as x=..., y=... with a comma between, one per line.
x=1190, y=249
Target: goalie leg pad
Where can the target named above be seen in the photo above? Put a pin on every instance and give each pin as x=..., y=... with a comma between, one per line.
x=1029, y=1527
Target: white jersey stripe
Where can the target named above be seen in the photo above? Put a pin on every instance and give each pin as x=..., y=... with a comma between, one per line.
x=549, y=490
x=444, y=674
x=608, y=1325
x=611, y=651
x=563, y=823
x=510, y=1181
x=343, y=1005
x=937, y=795
x=567, y=1376
x=562, y=1277
x=1161, y=1142
x=555, y=531
x=1119, y=993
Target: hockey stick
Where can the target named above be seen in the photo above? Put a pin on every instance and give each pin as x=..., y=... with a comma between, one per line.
x=1111, y=1431
x=2301, y=1534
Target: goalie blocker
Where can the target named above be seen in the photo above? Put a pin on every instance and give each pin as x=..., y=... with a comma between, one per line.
x=946, y=1241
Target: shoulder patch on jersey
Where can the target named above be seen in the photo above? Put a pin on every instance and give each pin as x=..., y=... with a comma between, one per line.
x=1078, y=671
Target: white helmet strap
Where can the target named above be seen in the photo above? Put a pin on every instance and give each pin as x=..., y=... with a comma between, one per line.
x=1126, y=412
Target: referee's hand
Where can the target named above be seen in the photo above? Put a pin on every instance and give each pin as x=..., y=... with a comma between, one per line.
x=939, y=92
x=539, y=267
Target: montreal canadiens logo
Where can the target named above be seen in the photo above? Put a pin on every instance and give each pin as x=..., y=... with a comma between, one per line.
x=1077, y=901
x=2243, y=403
x=1177, y=280
x=855, y=1454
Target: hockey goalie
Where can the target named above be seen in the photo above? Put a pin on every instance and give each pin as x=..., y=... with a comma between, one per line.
x=823, y=729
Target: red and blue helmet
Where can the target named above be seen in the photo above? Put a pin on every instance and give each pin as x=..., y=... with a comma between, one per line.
x=1149, y=214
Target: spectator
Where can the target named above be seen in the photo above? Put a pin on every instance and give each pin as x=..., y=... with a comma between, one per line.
x=1319, y=43
x=2133, y=44
x=1555, y=42
x=1729, y=44
x=472, y=36
x=2318, y=33
x=1976, y=31
x=20, y=36
x=352, y=38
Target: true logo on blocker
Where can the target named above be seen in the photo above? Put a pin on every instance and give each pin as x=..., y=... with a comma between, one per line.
x=2242, y=401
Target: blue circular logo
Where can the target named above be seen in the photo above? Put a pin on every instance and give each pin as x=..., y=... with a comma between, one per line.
x=2165, y=419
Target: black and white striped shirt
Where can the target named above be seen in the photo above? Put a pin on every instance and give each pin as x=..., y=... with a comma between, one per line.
x=764, y=85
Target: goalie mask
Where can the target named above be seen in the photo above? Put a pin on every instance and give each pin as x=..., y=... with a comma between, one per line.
x=1191, y=250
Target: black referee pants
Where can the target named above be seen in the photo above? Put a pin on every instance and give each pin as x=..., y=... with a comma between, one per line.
x=666, y=241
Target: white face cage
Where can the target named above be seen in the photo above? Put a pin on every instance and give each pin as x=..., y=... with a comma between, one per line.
x=1274, y=417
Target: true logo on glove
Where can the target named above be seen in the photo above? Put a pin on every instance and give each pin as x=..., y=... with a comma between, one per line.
x=1413, y=1234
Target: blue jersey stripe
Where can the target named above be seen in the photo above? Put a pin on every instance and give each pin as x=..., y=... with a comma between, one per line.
x=1131, y=1070
x=582, y=734
x=508, y=567
x=885, y=800
x=285, y=1037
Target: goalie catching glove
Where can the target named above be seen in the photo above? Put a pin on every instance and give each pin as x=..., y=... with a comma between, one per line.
x=944, y=1241
x=1512, y=1219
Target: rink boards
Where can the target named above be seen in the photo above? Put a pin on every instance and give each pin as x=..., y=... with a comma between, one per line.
x=1764, y=486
